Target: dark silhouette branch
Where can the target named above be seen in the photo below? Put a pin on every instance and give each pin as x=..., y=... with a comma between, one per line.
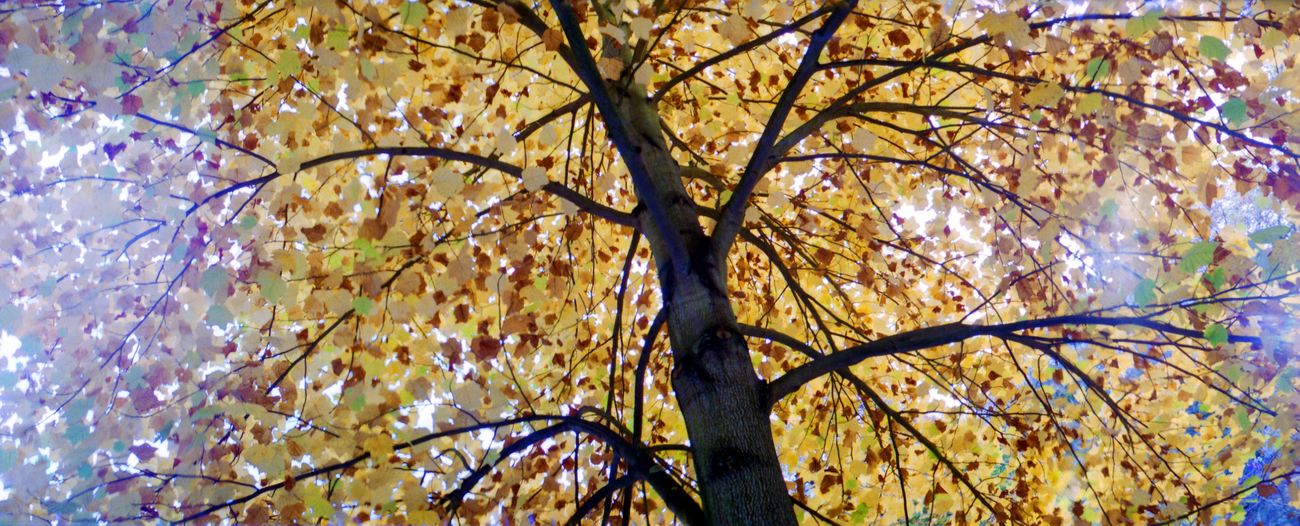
x=311, y=347
x=621, y=134
x=867, y=392
x=617, y=336
x=733, y=213
x=738, y=50
x=528, y=18
x=599, y=496
x=641, y=463
x=975, y=70
x=582, y=202
x=643, y=362
x=941, y=335
x=1234, y=496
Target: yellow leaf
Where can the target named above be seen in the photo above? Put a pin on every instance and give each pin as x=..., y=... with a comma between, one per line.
x=534, y=178
x=1044, y=94
x=1009, y=26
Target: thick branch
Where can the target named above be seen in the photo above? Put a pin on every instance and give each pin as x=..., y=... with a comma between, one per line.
x=743, y=48
x=640, y=462
x=857, y=109
x=643, y=362
x=534, y=23
x=975, y=70
x=866, y=391
x=599, y=496
x=621, y=134
x=733, y=213
x=583, y=203
x=905, y=67
x=952, y=333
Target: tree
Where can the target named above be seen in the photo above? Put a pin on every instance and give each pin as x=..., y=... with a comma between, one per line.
x=645, y=262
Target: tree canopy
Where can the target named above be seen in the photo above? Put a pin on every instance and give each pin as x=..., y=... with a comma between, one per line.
x=645, y=261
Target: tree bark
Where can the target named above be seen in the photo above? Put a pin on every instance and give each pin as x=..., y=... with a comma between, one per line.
x=721, y=397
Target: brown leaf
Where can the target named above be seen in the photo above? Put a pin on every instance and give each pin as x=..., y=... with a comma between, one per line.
x=314, y=234
x=131, y=104
x=477, y=42
x=552, y=39
x=485, y=348
x=508, y=14
x=898, y=38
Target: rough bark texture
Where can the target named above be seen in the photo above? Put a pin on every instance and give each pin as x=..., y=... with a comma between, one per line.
x=721, y=397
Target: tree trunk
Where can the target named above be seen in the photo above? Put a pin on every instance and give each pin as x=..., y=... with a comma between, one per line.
x=721, y=396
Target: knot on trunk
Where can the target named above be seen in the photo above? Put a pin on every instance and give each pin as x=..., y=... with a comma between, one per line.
x=727, y=461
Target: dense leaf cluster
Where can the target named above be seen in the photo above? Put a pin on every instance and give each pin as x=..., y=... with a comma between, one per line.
x=409, y=263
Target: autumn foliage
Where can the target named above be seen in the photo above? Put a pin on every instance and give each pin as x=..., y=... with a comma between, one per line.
x=410, y=263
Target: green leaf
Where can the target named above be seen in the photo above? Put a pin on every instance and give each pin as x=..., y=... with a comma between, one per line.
x=71, y=27
x=1036, y=116
x=78, y=409
x=247, y=222
x=11, y=317
x=272, y=286
x=214, y=282
x=1282, y=381
x=220, y=316
x=8, y=458
x=319, y=506
x=1148, y=21
x=206, y=135
x=1233, y=374
x=1145, y=293
x=1234, y=110
x=1272, y=38
x=134, y=378
x=8, y=379
x=206, y=413
x=1200, y=255
x=859, y=515
x=1216, y=278
x=166, y=431
x=288, y=64
x=1109, y=208
x=1243, y=418
x=338, y=38
x=77, y=433
x=31, y=344
x=363, y=305
x=47, y=287
x=1216, y=334
x=1090, y=103
x=1269, y=235
x=64, y=508
x=335, y=260
x=413, y=13
x=367, y=250
x=1097, y=68
x=1213, y=48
